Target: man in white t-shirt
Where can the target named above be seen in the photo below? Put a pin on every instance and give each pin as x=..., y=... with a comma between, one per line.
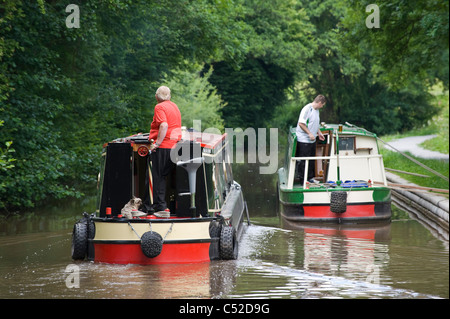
x=308, y=128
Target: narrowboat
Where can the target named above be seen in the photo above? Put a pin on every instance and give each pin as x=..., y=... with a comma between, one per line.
x=349, y=184
x=206, y=205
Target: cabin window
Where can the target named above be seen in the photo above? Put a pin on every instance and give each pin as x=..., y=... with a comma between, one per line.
x=346, y=143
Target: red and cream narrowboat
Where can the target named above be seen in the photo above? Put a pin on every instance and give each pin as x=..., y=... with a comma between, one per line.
x=206, y=205
x=349, y=185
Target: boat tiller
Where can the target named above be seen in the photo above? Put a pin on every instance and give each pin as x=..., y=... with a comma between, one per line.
x=191, y=166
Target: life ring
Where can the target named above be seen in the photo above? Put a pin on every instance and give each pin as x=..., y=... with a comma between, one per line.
x=79, y=240
x=228, y=246
x=338, y=202
x=151, y=244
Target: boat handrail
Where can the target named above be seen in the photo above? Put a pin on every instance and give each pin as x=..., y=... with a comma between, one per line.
x=291, y=172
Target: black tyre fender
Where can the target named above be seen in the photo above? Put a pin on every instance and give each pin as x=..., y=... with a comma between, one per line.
x=228, y=246
x=151, y=244
x=215, y=229
x=90, y=244
x=91, y=229
x=79, y=240
x=338, y=202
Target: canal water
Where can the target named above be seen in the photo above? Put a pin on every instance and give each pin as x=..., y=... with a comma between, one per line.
x=404, y=259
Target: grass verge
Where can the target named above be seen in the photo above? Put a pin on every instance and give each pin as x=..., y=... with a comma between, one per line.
x=439, y=125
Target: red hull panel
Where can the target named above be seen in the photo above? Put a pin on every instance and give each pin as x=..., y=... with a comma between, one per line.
x=132, y=253
x=353, y=211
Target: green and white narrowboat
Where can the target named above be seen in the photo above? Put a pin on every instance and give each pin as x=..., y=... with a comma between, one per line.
x=349, y=185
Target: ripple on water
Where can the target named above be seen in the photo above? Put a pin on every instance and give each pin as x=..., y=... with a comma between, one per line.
x=269, y=279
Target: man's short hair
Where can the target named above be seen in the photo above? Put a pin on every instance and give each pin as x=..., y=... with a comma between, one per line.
x=163, y=93
x=320, y=99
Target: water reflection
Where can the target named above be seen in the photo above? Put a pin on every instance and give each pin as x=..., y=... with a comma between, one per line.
x=154, y=281
x=345, y=250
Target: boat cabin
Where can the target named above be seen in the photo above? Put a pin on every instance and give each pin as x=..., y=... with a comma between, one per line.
x=347, y=154
x=126, y=164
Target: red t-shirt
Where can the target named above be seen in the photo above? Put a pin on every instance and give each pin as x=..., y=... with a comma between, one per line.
x=168, y=112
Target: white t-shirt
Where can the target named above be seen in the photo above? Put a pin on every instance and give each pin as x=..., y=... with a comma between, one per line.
x=310, y=117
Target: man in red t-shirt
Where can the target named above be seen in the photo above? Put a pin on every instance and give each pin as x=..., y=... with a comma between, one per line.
x=165, y=130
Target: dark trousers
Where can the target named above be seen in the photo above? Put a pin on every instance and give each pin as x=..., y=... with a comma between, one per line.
x=161, y=167
x=304, y=150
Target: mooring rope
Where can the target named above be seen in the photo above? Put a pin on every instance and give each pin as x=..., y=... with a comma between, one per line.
x=169, y=231
x=416, y=161
x=129, y=224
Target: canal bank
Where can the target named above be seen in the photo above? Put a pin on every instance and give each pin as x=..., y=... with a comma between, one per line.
x=430, y=208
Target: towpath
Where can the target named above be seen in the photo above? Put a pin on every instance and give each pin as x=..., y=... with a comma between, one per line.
x=411, y=145
x=431, y=208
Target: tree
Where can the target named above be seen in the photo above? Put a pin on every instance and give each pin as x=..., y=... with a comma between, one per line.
x=64, y=92
x=196, y=97
x=279, y=37
x=410, y=45
x=354, y=89
x=252, y=92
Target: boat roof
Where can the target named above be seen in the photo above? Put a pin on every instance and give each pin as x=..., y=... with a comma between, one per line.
x=207, y=140
x=346, y=130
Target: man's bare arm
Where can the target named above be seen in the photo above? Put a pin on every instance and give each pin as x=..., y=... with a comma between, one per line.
x=161, y=134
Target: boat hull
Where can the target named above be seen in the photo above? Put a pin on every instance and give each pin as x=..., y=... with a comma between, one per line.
x=131, y=253
x=356, y=213
x=184, y=240
x=362, y=206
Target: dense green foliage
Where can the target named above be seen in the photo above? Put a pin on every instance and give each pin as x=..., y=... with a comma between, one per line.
x=242, y=63
x=411, y=45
